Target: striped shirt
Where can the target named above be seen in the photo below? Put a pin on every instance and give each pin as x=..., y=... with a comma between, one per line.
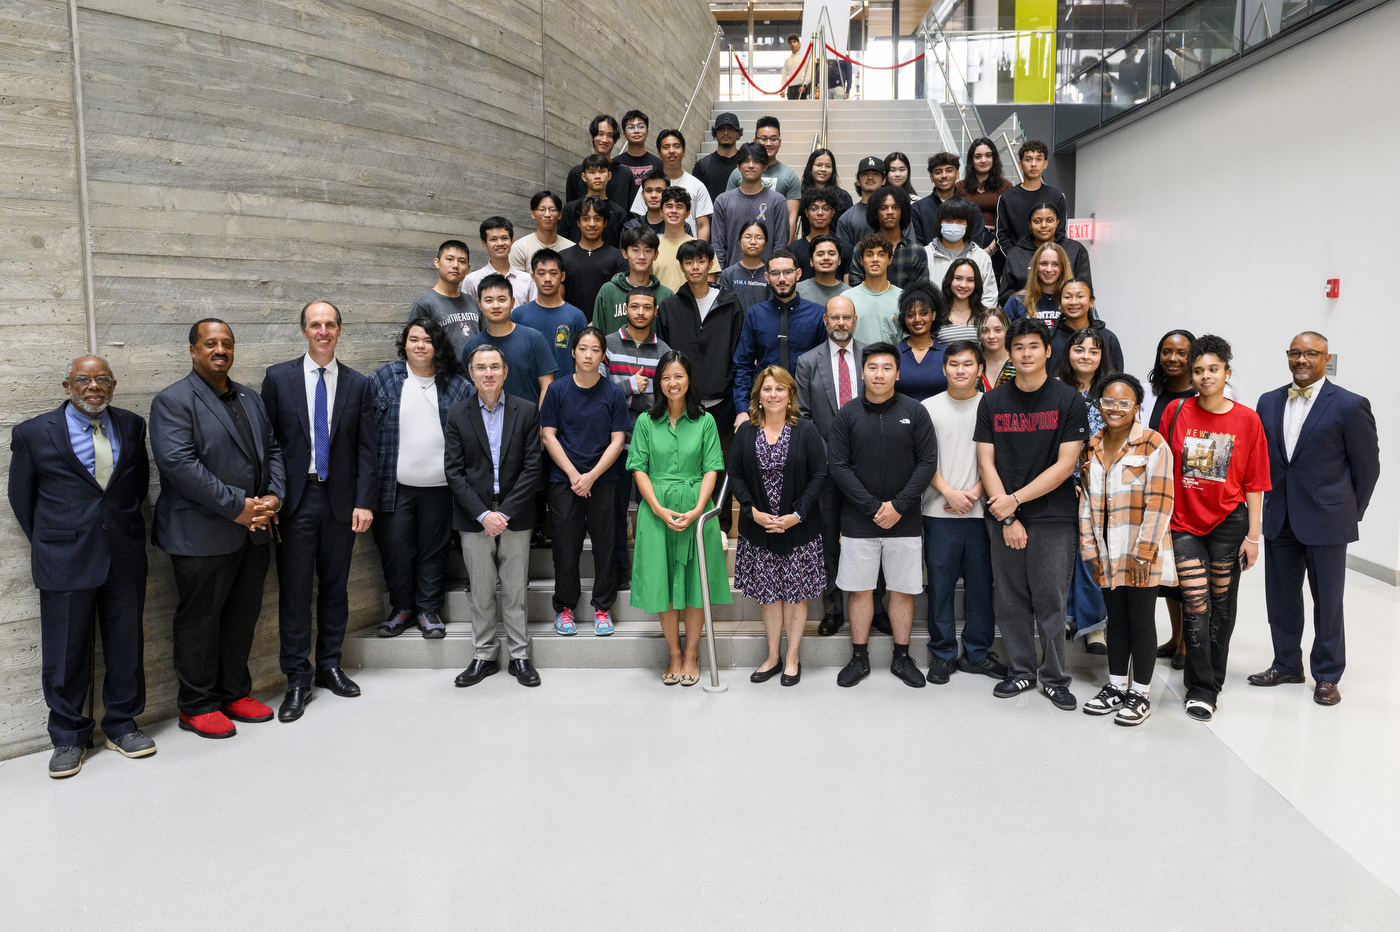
x=626, y=359
x=1126, y=508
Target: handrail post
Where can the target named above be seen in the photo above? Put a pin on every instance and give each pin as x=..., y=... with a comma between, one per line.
x=704, y=69
x=714, y=686
x=826, y=84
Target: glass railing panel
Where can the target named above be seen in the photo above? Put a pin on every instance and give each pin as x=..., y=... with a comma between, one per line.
x=1199, y=38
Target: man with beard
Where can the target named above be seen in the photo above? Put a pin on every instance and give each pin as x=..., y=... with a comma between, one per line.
x=776, y=332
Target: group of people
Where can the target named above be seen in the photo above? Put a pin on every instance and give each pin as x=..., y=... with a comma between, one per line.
x=899, y=392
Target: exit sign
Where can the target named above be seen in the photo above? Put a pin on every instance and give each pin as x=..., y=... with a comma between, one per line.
x=1082, y=230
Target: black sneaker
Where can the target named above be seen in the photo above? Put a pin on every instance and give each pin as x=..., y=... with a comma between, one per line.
x=1108, y=701
x=987, y=666
x=431, y=625
x=904, y=667
x=66, y=761
x=1136, y=709
x=1064, y=699
x=1013, y=685
x=940, y=670
x=399, y=621
x=855, y=671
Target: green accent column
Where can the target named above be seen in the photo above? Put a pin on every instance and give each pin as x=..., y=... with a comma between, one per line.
x=1035, y=52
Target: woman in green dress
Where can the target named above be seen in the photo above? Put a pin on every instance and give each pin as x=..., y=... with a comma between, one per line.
x=675, y=457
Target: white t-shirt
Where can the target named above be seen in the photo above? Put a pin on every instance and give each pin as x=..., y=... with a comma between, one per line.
x=953, y=424
x=707, y=303
x=422, y=447
x=700, y=203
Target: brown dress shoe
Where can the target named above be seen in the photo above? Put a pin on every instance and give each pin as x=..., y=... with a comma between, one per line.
x=1327, y=694
x=1272, y=677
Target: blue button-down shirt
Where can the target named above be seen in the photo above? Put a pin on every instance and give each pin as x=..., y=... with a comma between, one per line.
x=80, y=435
x=495, y=418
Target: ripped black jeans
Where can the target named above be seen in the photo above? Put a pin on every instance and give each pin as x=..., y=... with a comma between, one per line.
x=1208, y=567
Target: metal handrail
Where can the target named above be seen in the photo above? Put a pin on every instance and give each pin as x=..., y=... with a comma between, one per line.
x=822, y=82
x=816, y=142
x=705, y=67
x=714, y=686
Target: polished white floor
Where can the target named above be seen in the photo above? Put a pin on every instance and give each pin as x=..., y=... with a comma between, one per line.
x=603, y=800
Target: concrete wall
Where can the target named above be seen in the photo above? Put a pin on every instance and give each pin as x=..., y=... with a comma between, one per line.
x=245, y=156
x=1205, y=222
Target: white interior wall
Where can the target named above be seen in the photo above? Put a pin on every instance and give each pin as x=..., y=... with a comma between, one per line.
x=1223, y=213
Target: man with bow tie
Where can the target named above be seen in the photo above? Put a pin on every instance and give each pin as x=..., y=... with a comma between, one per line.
x=78, y=476
x=1324, y=460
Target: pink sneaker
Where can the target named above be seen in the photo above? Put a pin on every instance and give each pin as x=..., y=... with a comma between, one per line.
x=602, y=624
x=564, y=622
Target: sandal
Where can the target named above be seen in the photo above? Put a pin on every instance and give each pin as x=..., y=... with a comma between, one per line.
x=670, y=679
x=1199, y=709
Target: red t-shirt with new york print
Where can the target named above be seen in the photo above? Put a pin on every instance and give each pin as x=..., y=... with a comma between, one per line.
x=1217, y=459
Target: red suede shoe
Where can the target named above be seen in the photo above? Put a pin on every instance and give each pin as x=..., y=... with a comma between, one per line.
x=208, y=725
x=248, y=709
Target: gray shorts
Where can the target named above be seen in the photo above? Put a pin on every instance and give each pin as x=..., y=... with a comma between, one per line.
x=862, y=558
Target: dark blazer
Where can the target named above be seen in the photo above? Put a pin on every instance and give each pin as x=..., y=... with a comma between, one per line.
x=816, y=386
x=353, y=481
x=468, y=465
x=1325, y=488
x=205, y=472
x=804, y=476
x=78, y=531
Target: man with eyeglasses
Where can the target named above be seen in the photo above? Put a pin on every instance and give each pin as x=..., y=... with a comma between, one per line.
x=636, y=162
x=1324, y=461
x=78, y=476
x=776, y=332
x=546, y=209
x=776, y=176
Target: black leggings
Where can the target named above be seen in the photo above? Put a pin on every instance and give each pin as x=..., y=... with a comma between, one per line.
x=1132, y=631
x=1209, y=570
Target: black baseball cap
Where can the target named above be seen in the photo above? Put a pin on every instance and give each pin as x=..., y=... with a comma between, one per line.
x=870, y=164
x=727, y=119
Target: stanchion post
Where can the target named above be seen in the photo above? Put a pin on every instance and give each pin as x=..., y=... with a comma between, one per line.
x=714, y=686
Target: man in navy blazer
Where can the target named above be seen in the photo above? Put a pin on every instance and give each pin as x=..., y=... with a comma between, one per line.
x=322, y=414
x=221, y=483
x=1324, y=460
x=78, y=476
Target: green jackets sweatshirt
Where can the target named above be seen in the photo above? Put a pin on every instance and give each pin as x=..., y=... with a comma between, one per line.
x=610, y=308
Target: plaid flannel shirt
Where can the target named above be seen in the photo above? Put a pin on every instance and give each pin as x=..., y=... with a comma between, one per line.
x=387, y=384
x=1126, y=508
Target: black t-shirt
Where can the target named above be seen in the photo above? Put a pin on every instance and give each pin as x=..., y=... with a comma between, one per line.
x=1027, y=429
x=714, y=170
x=618, y=185
x=612, y=233
x=586, y=272
x=638, y=167
x=1160, y=405
x=802, y=249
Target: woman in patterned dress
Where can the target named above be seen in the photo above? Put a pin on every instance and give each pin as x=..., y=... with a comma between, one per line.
x=777, y=466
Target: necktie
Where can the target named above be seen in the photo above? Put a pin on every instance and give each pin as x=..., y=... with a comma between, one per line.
x=101, y=453
x=843, y=388
x=1296, y=392
x=322, y=428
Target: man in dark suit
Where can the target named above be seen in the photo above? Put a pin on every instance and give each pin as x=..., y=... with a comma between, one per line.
x=1324, y=460
x=78, y=476
x=493, y=468
x=821, y=391
x=322, y=414
x=221, y=483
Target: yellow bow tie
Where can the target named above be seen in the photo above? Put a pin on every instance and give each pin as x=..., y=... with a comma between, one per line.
x=1296, y=392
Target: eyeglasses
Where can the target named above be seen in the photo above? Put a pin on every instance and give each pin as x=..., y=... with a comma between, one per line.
x=1312, y=354
x=635, y=126
x=496, y=367
x=83, y=381
x=767, y=139
x=1111, y=404
x=781, y=273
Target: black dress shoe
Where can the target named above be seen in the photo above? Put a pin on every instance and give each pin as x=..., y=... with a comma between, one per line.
x=476, y=671
x=830, y=624
x=1272, y=677
x=1166, y=650
x=334, y=679
x=294, y=704
x=763, y=676
x=1179, y=660
x=792, y=680
x=881, y=623
x=524, y=672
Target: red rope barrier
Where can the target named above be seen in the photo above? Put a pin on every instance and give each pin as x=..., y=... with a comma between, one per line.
x=878, y=67
x=744, y=71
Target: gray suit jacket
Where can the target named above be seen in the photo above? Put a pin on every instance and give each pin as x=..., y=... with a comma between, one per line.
x=205, y=472
x=816, y=387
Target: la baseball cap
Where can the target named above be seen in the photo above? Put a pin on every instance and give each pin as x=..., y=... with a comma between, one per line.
x=727, y=119
x=870, y=164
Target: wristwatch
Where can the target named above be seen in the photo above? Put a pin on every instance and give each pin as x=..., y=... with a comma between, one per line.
x=1009, y=520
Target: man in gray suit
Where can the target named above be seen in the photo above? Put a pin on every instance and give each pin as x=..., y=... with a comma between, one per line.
x=827, y=377
x=221, y=481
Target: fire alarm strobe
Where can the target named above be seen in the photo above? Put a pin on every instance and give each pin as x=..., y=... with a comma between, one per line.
x=1334, y=287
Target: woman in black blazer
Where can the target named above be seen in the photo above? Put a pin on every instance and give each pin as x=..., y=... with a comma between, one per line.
x=777, y=466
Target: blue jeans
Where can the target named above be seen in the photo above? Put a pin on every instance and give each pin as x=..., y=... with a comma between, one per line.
x=953, y=548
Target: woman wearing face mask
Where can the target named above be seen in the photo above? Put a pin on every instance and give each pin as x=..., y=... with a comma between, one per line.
x=951, y=244
x=1085, y=367
x=1221, y=475
x=1076, y=314
x=897, y=174
x=920, y=352
x=961, y=317
x=1041, y=296
x=1047, y=226
x=998, y=369
x=1125, y=516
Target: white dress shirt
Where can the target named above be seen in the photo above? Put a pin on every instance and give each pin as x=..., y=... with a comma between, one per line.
x=850, y=349
x=1295, y=412
x=312, y=374
x=522, y=286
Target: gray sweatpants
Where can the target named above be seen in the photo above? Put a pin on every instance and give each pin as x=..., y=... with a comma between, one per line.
x=505, y=557
x=1031, y=588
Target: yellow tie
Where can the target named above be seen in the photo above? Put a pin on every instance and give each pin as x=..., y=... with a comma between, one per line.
x=1296, y=392
x=101, y=453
